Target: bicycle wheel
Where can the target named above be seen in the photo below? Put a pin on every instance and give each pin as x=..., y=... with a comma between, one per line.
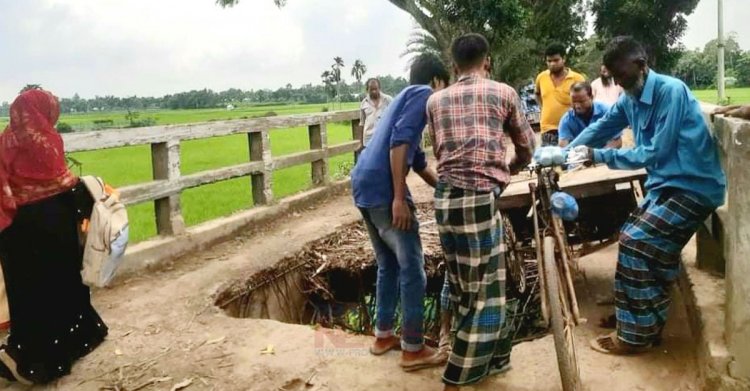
x=514, y=261
x=562, y=323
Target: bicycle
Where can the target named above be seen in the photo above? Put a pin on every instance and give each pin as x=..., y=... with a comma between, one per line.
x=556, y=262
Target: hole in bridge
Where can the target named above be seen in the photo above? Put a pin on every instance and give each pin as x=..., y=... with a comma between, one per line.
x=331, y=283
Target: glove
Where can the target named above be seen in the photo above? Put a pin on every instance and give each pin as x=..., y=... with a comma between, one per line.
x=581, y=153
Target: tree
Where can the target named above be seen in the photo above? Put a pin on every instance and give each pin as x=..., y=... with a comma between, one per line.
x=518, y=30
x=657, y=24
x=589, y=60
x=335, y=78
x=421, y=42
x=359, y=69
x=30, y=87
x=743, y=69
x=329, y=81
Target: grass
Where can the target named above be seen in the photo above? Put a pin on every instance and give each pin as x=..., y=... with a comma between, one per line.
x=131, y=165
x=85, y=121
x=736, y=95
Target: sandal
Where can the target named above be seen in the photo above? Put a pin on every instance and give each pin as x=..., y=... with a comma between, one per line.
x=426, y=358
x=611, y=344
x=382, y=346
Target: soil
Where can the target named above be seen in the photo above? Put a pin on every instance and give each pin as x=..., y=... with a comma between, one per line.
x=165, y=332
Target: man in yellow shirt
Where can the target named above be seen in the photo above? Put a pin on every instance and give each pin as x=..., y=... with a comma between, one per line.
x=553, y=92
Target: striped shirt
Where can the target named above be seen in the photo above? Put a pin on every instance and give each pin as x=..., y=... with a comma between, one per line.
x=471, y=124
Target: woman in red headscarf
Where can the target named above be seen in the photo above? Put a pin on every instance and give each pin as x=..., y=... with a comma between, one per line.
x=41, y=206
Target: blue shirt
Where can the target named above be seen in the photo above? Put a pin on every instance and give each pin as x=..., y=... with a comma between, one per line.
x=571, y=125
x=672, y=139
x=401, y=123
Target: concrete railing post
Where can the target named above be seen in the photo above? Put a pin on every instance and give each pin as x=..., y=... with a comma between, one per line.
x=260, y=151
x=165, y=158
x=319, y=141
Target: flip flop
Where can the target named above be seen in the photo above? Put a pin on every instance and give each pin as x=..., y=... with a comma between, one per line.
x=394, y=343
x=610, y=344
x=435, y=360
x=499, y=371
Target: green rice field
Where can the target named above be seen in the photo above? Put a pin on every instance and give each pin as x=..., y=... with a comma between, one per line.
x=131, y=165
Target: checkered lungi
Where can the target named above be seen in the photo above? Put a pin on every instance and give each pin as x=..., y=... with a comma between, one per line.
x=649, y=261
x=471, y=235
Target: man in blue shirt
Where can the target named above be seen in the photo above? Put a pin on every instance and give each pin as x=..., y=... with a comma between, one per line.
x=685, y=185
x=380, y=193
x=584, y=113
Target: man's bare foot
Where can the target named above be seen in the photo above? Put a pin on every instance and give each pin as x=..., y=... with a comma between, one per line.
x=450, y=388
x=425, y=358
x=383, y=345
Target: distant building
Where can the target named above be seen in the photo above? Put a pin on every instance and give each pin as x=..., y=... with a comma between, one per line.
x=230, y=107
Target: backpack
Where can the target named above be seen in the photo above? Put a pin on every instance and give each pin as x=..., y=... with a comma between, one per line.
x=105, y=234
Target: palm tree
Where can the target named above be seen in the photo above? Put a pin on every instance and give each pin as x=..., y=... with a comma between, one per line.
x=358, y=71
x=421, y=42
x=328, y=80
x=338, y=63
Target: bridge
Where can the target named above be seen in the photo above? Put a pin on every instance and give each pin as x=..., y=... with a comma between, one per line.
x=168, y=324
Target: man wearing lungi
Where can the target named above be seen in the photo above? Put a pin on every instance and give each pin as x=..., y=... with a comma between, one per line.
x=468, y=122
x=685, y=185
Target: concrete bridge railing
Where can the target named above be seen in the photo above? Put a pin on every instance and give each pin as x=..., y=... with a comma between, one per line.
x=723, y=245
x=168, y=183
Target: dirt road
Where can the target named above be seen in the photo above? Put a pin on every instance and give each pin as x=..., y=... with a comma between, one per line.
x=165, y=332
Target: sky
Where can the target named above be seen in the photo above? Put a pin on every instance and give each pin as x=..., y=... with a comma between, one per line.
x=157, y=47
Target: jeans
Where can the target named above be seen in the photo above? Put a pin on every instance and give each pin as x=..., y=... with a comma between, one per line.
x=400, y=275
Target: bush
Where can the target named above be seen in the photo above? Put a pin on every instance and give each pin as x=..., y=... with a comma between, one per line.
x=267, y=114
x=148, y=121
x=324, y=110
x=63, y=127
x=343, y=169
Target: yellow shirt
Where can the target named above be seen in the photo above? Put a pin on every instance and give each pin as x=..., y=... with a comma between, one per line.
x=555, y=100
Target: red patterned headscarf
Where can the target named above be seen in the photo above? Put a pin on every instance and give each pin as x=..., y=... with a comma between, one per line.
x=32, y=156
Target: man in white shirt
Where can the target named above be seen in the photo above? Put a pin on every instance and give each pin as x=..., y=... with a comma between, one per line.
x=372, y=108
x=605, y=89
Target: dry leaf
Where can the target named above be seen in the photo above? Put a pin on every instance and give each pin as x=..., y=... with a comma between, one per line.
x=217, y=340
x=268, y=350
x=183, y=384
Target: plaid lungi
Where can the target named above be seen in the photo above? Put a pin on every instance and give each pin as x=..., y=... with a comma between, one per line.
x=649, y=261
x=471, y=235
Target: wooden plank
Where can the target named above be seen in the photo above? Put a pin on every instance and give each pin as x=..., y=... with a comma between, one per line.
x=584, y=183
x=166, y=166
x=296, y=159
x=318, y=136
x=340, y=149
x=112, y=138
x=260, y=151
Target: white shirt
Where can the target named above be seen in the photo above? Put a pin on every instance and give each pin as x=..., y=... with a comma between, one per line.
x=370, y=114
x=606, y=94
